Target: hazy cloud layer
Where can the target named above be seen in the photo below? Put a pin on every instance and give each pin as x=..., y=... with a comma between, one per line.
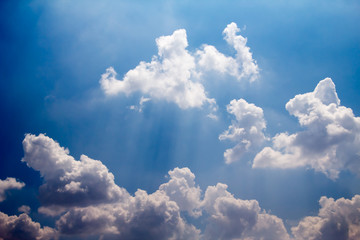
x=7, y=184
x=329, y=142
x=246, y=130
x=175, y=73
x=22, y=227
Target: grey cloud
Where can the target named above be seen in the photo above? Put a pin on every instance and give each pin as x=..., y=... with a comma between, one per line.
x=24, y=209
x=181, y=189
x=336, y=220
x=160, y=215
x=144, y=216
x=232, y=218
x=68, y=182
x=91, y=203
x=22, y=227
x=7, y=184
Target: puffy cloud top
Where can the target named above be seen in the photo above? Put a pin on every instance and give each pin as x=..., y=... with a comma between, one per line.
x=181, y=189
x=338, y=219
x=115, y=214
x=173, y=75
x=232, y=218
x=330, y=141
x=22, y=227
x=69, y=191
x=69, y=182
x=246, y=130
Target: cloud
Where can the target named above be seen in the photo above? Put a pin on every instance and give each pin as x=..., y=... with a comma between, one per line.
x=241, y=67
x=168, y=76
x=112, y=212
x=140, y=107
x=246, y=130
x=232, y=218
x=150, y=216
x=158, y=215
x=24, y=209
x=330, y=139
x=175, y=73
x=7, y=184
x=89, y=202
x=181, y=189
x=22, y=227
x=338, y=219
x=68, y=182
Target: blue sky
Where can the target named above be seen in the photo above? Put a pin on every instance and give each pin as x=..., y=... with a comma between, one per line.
x=53, y=59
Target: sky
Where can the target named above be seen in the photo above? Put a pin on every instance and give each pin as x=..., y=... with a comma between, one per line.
x=180, y=119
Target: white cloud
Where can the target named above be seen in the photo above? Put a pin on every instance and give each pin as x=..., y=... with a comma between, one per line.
x=338, y=219
x=168, y=76
x=246, y=130
x=140, y=107
x=7, y=184
x=329, y=143
x=174, y=74
x=22, y=227
x=181, y=189
x=241, y=67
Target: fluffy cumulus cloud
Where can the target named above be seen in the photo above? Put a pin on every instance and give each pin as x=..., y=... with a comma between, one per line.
x=243, y=66
x=338, y=219
x=113, y=213
x=181, y=188
x=175, y=73
x=144, y=216
x=22, y=227
x=7, y=184
x=68, y=182
x=329, y=142
x=232, y=218
x=246, y=130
